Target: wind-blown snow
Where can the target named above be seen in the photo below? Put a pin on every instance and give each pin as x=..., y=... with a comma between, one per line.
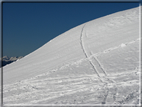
x=94, y=63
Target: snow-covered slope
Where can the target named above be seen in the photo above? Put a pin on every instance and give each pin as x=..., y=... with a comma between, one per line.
x=94, y=63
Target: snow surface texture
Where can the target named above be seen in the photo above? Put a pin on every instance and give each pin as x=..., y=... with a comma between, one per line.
x=94, y=63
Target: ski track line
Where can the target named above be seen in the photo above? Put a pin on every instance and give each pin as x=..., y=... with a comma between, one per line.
x=96, y=60
x=122, y=45
x=114, y=95
x=105, y=96
x=99, y=64
x=85, y=53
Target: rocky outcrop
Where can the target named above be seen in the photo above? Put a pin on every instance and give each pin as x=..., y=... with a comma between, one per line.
x=7, y=60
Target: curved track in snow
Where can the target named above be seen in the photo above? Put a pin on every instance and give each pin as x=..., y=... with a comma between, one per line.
x=85, y=52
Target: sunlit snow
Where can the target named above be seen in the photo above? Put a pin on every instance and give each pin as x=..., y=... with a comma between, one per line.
x=96, y=63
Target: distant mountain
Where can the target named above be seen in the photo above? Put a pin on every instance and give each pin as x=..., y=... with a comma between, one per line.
x=7, y=60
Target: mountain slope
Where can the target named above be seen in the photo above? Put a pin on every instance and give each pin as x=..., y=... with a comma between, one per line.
x=95, y=59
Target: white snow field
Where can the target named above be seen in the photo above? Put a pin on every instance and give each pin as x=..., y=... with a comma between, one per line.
x=96, y=63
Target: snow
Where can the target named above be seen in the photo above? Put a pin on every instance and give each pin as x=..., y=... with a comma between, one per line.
x=123, y=45
x=96, y=63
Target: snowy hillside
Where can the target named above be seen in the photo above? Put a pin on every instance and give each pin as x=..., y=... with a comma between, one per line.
x=94, y=63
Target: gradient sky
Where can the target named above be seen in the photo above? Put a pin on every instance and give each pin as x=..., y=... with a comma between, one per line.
x=28, y=26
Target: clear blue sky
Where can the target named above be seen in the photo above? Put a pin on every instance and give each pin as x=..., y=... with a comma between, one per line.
x=28, y=26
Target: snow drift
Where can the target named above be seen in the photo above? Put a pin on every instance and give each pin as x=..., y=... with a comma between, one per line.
x=105, y=50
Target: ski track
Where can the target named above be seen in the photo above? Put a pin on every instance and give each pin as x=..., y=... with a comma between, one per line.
x=95, y=68
x=96, y=65
x=85, y=52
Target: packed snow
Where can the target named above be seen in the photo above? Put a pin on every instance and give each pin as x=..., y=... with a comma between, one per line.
x=96, y=63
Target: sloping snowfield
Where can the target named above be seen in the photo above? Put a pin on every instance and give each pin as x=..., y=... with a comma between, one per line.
x=96, y=63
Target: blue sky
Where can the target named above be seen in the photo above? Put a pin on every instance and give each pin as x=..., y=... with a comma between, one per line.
x=28, y=26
